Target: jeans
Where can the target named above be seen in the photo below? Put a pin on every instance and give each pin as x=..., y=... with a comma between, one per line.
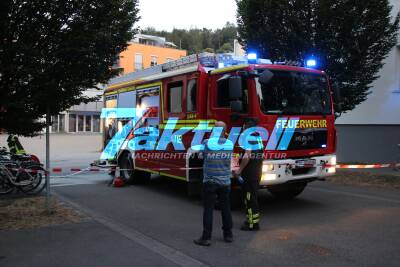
x=210, y=193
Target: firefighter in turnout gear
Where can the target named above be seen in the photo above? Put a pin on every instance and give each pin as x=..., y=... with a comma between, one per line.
x=250, y=170
x=15, y=145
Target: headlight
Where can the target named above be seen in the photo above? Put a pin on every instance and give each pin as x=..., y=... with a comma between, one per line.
x=267, y=167
x=332, y=161
x=268, y=177
x=332, y=170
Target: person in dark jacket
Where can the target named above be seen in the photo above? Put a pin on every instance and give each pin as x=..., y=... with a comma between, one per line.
x=250, y=170
x=15, y=145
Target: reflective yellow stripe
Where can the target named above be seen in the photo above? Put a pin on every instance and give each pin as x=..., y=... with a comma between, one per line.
x=250, y=217
x=124, y=83
x=248, y=196
x=146, y=170
x=148, y=85
x=126, y=89
x=111, y=93
x=229, y=69
x=173, y=176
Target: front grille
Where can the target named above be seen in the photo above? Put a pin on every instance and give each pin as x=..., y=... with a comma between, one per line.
x=302, y=171
x=308, y=139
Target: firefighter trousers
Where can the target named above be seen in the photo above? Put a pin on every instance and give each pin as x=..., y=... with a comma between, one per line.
x=250, y=190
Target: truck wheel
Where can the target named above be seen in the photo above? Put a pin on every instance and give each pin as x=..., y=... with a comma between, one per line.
x=129, y=173
x=286, y=192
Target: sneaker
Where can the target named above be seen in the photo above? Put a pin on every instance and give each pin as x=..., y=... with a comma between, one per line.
x=246, y=227
x=228, y=239
x=202, y=242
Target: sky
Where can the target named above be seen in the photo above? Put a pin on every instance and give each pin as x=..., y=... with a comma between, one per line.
x=167, y=14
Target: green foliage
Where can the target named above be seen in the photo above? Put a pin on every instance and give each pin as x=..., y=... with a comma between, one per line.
x=198, y=40
x=53, y=50
x=209, y=50
x=225, y=48
x=350, y=38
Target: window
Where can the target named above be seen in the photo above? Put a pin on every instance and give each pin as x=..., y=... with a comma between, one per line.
x=111, y=101
x=96, y=123
x=62, y=123
x=54, y=124
x=223, y=93
x=223, y=100
x=153, y=61
x=138, y=62
x=72, y=123
x=175, y=97
x=88, y=124
x=80, y=123
x=191, y=95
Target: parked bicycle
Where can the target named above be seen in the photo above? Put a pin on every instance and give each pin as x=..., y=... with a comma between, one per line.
x=20, y=172
x=397, y=167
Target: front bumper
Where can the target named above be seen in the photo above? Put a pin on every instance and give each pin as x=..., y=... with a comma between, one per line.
x=282, y=171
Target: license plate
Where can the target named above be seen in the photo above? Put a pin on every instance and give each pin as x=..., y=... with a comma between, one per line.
x=305, y=163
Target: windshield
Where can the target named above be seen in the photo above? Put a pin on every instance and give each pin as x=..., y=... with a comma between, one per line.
x=291, y=92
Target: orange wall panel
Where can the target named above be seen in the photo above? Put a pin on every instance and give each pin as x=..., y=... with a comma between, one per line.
x=127, y=57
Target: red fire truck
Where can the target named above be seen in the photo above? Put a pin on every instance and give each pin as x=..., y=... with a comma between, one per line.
x=206, y=88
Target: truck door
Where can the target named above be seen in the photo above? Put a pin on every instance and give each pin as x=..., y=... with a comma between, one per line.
x=148, y=99
x=173, y=161
x=219, y=102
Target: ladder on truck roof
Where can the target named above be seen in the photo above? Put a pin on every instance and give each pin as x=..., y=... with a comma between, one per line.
x=205, y=59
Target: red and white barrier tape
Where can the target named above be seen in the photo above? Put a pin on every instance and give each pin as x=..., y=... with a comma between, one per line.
x=338, y=166
x=76, y=171
x=363, y=166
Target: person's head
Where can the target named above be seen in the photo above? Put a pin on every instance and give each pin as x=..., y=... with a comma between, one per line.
x=221, y=124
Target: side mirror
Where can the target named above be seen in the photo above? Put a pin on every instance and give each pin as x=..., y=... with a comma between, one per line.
x=266, y=76
x=235, y=87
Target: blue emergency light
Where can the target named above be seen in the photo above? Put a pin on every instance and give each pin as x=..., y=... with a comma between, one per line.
x=311, y=63
x=252, y=58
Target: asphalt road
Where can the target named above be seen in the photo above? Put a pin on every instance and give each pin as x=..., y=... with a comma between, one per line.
x=154, y=225
x=328, y=225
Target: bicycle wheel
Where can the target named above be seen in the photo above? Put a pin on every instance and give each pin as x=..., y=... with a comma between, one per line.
x=36, y=177
x=5, y=186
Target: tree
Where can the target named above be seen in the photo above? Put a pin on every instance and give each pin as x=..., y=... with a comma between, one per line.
x=349, y=38
x=225, y=48
x=197, y=40
x=51, y=51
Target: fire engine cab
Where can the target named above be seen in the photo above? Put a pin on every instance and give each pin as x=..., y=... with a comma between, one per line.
x=294, y=104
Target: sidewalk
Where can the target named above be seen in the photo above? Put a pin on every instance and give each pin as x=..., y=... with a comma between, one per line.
x=74, y=244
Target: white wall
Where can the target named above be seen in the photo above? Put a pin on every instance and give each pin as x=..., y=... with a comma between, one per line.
x=91, y=106
x=383, y=104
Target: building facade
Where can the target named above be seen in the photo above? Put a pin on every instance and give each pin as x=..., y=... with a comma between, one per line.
x=371, y=132
x=83, y=118
x=146, y=51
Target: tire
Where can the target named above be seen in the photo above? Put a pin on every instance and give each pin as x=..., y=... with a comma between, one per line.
x=39, y=182
x=287, y=192
x=128, y=172
x=5, y=186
